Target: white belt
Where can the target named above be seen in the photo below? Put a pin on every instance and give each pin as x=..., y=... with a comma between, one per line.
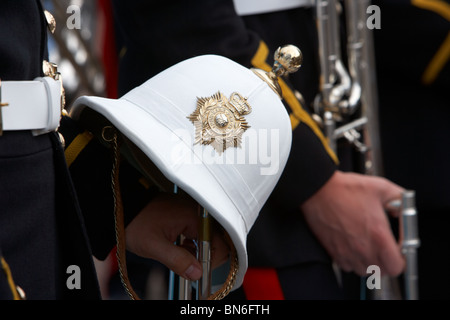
x=30, y=105
x=249, y=7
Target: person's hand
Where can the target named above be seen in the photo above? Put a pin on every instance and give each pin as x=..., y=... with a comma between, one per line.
x=348, y=216
x=153, y=232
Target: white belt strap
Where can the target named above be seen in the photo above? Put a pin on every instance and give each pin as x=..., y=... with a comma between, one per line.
x=31, y=105
x=249, y=7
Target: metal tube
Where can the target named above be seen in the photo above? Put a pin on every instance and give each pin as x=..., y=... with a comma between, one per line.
x=204, y=256
x=329, y=125
x=184, y=285
x=410, y=244
x=327, y=51
x=179, y=287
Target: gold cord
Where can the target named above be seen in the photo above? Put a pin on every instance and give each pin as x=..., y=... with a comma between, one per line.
x=231, y=279
x=119, y=222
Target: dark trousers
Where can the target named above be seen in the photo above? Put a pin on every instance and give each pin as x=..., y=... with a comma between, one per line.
x=27, y=212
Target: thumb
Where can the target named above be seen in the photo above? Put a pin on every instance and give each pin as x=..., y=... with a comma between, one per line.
x=179, y=260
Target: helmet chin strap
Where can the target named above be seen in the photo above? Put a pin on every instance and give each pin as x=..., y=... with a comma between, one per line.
x=118, y=212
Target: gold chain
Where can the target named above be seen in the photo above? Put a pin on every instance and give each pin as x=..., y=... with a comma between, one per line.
x=118, y=217
x=231, y=279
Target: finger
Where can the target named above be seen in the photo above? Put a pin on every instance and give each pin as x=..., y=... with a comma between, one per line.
x=390, y=196
x=179, y=260
x=393, y=207
x=362, y=259
x=220, y=251
x=189, y=245
x=391, y=259
x=346, y=266
x=387, y=253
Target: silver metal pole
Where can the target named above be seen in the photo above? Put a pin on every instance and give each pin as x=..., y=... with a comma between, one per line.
x=204, y=256
x=410, y=244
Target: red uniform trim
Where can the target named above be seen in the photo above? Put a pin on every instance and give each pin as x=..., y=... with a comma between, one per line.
x=262, y=284
x=108, y=44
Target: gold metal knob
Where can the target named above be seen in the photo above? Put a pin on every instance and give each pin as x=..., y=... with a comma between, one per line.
x=288, y=59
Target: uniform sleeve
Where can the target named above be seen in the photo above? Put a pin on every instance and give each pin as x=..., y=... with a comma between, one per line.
x=154, y=35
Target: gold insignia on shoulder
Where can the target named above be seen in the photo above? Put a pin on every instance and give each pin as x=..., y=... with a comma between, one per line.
x=219, y=121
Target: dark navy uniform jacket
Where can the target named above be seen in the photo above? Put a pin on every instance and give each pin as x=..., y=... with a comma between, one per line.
x=46, y=225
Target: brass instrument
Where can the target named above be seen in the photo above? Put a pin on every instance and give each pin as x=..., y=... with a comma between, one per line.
x=347, y=107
